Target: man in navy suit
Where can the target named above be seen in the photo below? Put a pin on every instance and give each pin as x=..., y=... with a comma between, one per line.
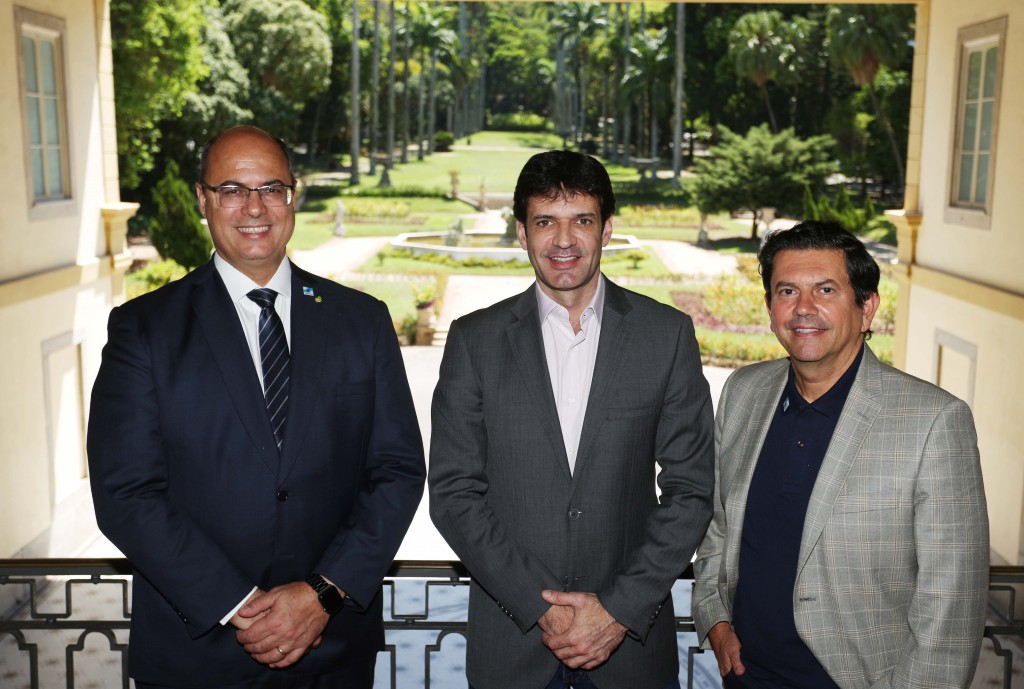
x=260, y=525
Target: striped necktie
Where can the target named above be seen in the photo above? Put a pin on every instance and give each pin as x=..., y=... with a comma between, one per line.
x=274, y=359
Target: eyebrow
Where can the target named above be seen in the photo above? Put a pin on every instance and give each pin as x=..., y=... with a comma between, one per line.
x=819, y=283
x=235, y=183
x=553, y=217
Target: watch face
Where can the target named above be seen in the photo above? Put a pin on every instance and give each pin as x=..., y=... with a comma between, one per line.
x=330, y=600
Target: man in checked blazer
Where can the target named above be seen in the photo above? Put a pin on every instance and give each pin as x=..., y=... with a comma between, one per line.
x=849, y=546
x=259, y=547
x=554, y=412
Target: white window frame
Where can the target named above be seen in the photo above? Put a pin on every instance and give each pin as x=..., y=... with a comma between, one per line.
x=43, y=27
x=976, y=39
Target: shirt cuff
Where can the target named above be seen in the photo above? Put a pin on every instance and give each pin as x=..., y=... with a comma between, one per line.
x=227, y=618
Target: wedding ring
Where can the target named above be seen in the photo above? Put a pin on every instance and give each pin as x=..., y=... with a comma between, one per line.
x=280, y=651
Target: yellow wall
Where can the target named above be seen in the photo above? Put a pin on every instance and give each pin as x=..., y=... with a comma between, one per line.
x=60, y=271
x=965, y=283
x=989, y=255
x=997, y=407
x=57, y=233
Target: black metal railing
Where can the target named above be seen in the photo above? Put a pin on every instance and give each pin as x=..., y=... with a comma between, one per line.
x=68, y=610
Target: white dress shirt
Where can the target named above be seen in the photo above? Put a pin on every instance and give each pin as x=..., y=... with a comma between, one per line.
x=239, y=286
x=571, y=357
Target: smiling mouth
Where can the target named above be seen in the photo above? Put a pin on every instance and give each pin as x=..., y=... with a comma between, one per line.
x=564, y=259
x=260, y=229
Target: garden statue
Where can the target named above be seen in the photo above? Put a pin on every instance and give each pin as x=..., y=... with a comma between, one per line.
x=339, y=219
x=509, y=237
x=454, y=235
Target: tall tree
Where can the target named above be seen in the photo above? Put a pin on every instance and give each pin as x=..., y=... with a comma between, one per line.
x=216, y=101
x=375, y=88
x=574, y=24
x=286, y=49
x=758, y=48
x=677, y=92
x=648, y=80
x=158, y=59
x=390, y=137
x=354, y=98
x=406, y=49
x=861, y=39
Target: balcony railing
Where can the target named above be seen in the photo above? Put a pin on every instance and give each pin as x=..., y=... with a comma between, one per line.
x=69, y=625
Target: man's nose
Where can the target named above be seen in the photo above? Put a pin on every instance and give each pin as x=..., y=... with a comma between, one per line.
x=805, y=304
x=564, y=237
x=254, y=205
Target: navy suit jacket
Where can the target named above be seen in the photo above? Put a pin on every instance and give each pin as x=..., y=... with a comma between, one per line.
x=189, y=484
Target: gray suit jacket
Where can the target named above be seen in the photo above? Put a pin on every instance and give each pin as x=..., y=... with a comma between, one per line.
x=892, y=576
x=502, y=495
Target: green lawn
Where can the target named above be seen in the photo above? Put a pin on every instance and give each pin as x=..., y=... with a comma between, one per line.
x=397, y=295
x=494, y=159
x=314, y=223
x=613, y=266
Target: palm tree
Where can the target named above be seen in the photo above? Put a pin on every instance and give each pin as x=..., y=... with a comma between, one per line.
x=794, y=59
x=677, y=93
x=574, y=23
x=861, y=39
x=375, y=88
x=389, y=139
x=625, y=107
x=648, y=80
x=354, y=175
x=444, y=43
x=757, y=46
x=431, y=38
x=406, y=45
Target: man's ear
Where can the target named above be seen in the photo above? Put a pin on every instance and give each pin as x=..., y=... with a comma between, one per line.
x=521, y=233
x=868, y=310
x=202, y=199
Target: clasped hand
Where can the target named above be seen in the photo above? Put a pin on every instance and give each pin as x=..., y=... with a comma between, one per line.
x=578, y=630
x=278, y=627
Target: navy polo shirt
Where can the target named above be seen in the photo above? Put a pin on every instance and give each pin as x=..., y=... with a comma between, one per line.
x=774, y=654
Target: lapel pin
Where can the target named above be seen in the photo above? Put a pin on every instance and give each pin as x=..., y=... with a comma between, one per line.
x=307, y=291
x=319, y=299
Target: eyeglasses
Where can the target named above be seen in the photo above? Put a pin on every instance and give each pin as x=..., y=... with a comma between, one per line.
x=236, y=196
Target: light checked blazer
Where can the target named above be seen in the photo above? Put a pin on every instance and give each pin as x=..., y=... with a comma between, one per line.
x=892, y=576
x=502, y=495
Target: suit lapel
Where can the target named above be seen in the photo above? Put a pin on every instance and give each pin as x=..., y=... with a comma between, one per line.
x=859, y=413
x=223, y=332
x=754, y=413
x=307, y=350
x=612, y=348
x=527, y=344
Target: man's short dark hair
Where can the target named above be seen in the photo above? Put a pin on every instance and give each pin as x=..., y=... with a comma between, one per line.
x=563, y=174
x=830, y=236
x=204, y=154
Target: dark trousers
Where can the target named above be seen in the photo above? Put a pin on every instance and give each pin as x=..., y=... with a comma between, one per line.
x=357, y=675
x=566, y=677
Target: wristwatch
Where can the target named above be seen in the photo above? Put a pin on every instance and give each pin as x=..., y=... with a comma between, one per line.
x=330, y=600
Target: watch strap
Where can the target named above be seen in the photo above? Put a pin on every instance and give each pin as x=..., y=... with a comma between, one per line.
x=329, y=597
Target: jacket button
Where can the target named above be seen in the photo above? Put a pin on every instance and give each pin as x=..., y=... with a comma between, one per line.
x=575, y=514
x=282, y=495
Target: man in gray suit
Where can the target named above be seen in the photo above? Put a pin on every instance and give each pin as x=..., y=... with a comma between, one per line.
x=849, y=546
x=554, y=411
